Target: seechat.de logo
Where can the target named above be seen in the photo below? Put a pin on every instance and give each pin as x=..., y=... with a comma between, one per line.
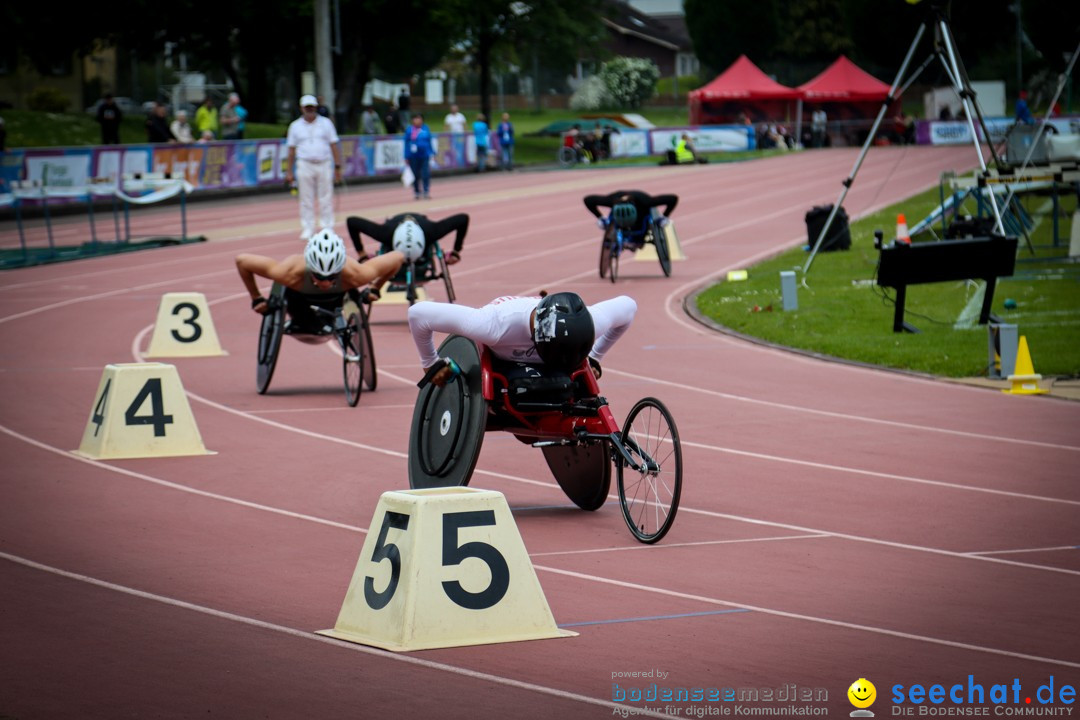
x=862, y=695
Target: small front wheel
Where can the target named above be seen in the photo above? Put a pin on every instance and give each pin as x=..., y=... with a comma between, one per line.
x=567, y=156
x=649, y=493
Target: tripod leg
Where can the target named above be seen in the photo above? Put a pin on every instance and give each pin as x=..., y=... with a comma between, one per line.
x=866, y=146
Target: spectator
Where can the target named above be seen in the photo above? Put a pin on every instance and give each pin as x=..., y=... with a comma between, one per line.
x=818, y=123
x=315, y=163
x=506, y=142
x=109, y=117
x=181, y=128
x=482, y=134
x=369, y=121
x=403, y=104
x=418, y=152
x=391, y=121
x=324, y=110
x=157, y=126
x=232, y=118
x=455, y=121
x=206, y=117
x=945, y=114
x=206, y=137
x=1023, y=112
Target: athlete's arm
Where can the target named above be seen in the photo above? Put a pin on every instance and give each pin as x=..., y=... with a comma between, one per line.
x=611, y=318
x=248, y=266
x=358, y=225
x=594, y=202
x=669, y=201
x=428, y=318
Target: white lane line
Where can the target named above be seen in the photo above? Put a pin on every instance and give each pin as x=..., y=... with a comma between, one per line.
x=1026, y=550
x=659, y=548
x=311, y=636
x=810, y=618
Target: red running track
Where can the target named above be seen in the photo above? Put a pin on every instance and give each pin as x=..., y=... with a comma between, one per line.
x=837, y=522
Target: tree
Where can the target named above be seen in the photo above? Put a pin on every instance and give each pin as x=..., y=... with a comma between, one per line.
x=722, y=30
x=814, y=30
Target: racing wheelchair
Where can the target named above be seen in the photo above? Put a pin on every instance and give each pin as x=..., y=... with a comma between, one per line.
x=562, y=414
x=315, y=321
x=632, y=240
x=414, y=273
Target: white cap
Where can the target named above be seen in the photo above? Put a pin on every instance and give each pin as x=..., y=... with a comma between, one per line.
x=308, y=100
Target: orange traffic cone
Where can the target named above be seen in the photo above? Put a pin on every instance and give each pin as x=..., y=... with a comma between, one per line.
x=1025, y=381
x=901, y=230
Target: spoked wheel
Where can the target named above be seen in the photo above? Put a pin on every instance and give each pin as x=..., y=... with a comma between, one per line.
x=662, y=250
x=649, y=494
x=352, y=341
x=370, y=378
x=444, y=269
x=613, y=262
x=605, y=258
x=567, y=156
x=273, y=326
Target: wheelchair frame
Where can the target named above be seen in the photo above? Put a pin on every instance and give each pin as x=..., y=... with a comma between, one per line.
x=580, y=438
x=610, y=250
x=348, y=324
x=407, y=276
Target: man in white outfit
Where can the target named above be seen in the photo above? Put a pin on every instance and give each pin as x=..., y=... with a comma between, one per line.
x=315, y=163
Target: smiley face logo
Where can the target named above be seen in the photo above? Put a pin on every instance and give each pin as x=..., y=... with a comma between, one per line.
x=862, y=693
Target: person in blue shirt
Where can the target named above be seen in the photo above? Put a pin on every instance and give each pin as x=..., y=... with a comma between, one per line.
x=1023, y=112
x=481, y=132
x=505, y=132
x=418, y=152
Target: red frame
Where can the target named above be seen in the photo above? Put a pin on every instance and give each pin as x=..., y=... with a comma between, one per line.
x=542, y=424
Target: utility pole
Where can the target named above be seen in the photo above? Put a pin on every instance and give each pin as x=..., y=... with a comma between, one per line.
x=324, y=65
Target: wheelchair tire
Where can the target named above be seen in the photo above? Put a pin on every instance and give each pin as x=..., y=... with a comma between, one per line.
x=582, y=471
x=567, y=157
x=270, y=332
x=613, y=263
x=370, y=378
x=444, y=270
x=448, y=423
x=650, y=497
x=353, y=358
x=605, y=258
x=662, y=250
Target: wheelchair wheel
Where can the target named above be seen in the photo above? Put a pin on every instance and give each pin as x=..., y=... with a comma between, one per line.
x=410, y=283
x=650, y=495
x=582, y=471
x=448, y=423
x=370, y=378
x=353, y=358
x=605, y=258
x=613, y=262
x=270, y=332
x=567, y=156
x=662, y=251
x=444, y=270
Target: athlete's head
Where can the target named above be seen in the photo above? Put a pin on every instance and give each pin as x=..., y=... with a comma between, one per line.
x=624, y=214
x=563, y=331
x=409, y=239
x=325, y=253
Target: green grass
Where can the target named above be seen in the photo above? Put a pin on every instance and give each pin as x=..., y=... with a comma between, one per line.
x=843, y=314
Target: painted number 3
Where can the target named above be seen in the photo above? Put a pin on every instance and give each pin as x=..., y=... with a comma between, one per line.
x=196, y=330
x=452, y=554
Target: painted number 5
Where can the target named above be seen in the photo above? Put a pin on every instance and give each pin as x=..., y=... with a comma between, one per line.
x=453, y=554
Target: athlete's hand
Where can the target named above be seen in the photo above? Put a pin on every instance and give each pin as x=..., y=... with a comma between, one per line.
x=453, y=257
x=260, y=305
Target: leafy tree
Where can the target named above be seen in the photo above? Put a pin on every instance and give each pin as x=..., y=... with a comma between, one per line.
x=630, y=81
x=722, y=30
x=814, y=30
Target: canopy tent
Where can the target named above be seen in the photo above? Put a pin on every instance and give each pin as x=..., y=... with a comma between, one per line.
x=742, y=88
x=847, y=92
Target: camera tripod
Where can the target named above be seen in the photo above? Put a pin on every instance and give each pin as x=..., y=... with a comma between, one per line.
x=945, y=51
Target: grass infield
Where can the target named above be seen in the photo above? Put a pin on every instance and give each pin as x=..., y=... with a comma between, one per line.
x=843, y=313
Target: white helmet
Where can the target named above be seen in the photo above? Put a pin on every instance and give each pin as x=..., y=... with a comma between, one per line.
x=325, y=253
x=409, y=240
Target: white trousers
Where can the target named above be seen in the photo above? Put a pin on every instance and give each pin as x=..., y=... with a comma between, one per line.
x=315, y=184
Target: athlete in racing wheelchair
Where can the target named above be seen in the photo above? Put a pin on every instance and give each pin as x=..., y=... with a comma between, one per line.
x=632, y=222
x=528, y=366
x=417, y=237
x=316, y=296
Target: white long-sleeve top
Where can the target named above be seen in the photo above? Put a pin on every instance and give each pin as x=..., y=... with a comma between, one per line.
x=503, y=325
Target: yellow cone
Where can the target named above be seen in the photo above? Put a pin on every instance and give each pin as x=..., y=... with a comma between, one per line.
x=1025, y=381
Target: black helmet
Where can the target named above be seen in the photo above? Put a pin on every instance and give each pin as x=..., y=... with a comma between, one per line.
x=563, y=331
x=624, y=214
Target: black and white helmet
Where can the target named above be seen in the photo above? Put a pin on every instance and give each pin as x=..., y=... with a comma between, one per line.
x=409, y=240
x=325, y=253
x=563, y=331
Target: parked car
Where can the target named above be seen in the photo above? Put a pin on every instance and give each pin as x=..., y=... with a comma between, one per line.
x=127, y=106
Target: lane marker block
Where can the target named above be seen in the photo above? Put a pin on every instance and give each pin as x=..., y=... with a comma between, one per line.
x=184, y=328
x=397, y=297
x=443, y=567
x=648, y=252
x=139, y=411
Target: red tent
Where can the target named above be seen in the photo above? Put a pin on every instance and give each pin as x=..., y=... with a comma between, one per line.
x=844, y=81
x=743, y=87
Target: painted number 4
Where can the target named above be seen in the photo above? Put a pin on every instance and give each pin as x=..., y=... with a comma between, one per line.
x=151, y=389
x=453, y=554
